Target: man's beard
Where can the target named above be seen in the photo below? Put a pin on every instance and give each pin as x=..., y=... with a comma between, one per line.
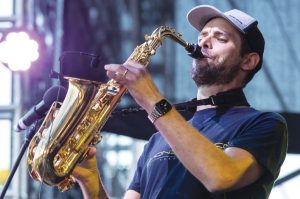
x=205, y=74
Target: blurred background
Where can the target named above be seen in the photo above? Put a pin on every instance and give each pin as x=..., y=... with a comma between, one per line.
x=113, y=29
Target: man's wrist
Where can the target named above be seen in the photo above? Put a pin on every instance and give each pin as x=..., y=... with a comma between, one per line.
x=161, y=108
x=150, y=104
x=91, y=186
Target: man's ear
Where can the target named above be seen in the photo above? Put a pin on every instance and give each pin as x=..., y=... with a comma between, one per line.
x=250, y=61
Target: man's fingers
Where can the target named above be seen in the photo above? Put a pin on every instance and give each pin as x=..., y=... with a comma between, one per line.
x=91, y=154
x=92, y=151
x=116, y=77
x=120, y=69
x=131, y=67
x=122, y=72
x=133, y=64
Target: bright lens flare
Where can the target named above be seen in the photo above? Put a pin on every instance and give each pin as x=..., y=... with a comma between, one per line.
x=18, y=51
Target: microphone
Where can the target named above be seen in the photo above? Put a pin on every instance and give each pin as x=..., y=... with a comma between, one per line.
x=95, y=62
x=40, y=110
x=194, y=51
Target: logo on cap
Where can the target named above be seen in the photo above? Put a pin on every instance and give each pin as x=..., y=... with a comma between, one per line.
x=236, y=19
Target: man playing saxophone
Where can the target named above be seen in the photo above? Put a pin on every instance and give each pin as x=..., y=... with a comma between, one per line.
x=222, y=152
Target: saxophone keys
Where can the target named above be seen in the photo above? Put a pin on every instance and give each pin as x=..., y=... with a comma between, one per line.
x=113, y=89
x=84, y=154
x=147, y=37
x=97, y=138
x=66, y=184
x=152, y=52
x=97, y=107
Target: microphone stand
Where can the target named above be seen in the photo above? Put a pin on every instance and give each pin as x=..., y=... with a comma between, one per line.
x=28, y=136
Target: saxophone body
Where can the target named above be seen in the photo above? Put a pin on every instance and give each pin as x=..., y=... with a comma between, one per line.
x=66, y=134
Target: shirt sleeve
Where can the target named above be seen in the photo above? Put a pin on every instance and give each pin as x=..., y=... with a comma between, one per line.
x=136, y=181
x=266, y=140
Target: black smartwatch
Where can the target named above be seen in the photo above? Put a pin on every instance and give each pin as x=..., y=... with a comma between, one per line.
x=161, y=108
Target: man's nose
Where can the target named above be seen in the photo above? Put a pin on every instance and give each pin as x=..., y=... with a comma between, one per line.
x=205, y=42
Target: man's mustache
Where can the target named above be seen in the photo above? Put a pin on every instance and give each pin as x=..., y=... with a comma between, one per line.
x=206, y=53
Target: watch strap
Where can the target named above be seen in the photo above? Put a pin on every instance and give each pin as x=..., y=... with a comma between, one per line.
x=154, y=115
x=161, y=108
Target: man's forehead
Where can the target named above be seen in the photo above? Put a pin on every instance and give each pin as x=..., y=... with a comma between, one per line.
x=220, y=25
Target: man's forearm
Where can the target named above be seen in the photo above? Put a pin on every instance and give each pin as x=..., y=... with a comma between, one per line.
x=205, y=161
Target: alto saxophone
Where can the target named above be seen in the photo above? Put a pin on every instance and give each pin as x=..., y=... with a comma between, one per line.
x=66, y=134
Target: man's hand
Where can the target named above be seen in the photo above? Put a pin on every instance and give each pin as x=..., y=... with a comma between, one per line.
x=138, y=82
x=87, y=175
x=87, y=168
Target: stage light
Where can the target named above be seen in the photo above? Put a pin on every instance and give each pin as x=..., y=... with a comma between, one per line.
x=18, y=51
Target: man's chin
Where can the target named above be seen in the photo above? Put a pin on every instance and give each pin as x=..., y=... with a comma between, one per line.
x=204, y=59
x=203, y=63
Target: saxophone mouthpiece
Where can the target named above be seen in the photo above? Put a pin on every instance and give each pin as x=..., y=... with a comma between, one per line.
x=194, y=51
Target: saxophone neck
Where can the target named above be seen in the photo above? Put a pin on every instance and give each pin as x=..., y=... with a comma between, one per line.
x=142, y=53
x=167, y=32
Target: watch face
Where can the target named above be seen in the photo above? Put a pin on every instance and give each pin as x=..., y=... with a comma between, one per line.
x=163, y=106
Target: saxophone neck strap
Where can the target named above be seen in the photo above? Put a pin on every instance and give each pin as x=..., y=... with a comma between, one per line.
x=235, y=97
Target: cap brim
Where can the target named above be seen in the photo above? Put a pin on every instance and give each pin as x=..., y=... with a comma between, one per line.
x=200, y=15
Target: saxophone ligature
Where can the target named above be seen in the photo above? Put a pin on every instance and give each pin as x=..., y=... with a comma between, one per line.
x=67, y=133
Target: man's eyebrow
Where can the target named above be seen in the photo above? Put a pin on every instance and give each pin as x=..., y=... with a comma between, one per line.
x=202, y=33
x=216, y=32
x=223, y=32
